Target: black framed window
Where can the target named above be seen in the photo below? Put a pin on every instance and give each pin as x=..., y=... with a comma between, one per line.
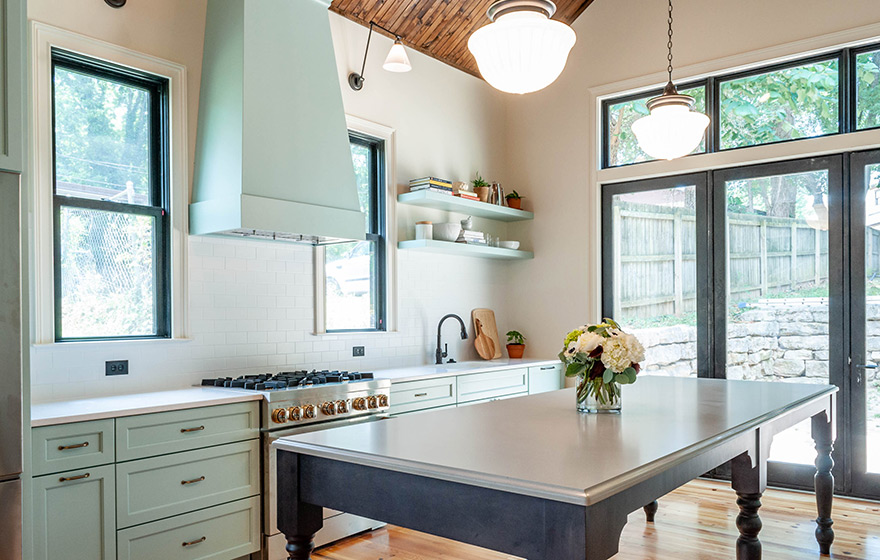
x=831, y=93
x=355, y=289
x=111, y=201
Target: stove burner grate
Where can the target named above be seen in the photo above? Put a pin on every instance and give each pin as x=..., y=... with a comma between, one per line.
x=286, y=380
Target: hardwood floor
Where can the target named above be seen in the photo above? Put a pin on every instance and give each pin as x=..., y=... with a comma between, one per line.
x=696, y=522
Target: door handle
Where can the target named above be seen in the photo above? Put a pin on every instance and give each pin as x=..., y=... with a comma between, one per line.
x=193, y=481
x=72, y=478
x=74, y=446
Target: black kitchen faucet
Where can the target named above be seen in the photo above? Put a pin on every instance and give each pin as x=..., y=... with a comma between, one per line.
x=440, y=354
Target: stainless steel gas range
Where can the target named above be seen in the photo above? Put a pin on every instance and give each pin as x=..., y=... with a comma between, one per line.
x=300, y=402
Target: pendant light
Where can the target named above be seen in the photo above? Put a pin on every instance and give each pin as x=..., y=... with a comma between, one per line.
x=673, y=129
x=396, y=61
x=522, y=50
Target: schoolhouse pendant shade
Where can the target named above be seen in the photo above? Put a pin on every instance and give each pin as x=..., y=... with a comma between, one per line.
x=397, y=61
x=522, y=50
x=672, y=129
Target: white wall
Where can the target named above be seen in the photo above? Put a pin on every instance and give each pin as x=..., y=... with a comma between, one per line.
x=551, y=136
x=251, y=301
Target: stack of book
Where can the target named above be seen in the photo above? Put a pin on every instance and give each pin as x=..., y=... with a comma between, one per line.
x=433, y=184
x=467, y=195
x=472, y=237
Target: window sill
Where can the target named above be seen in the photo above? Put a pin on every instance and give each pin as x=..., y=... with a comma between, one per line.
x=87, y=343
x=355, y=334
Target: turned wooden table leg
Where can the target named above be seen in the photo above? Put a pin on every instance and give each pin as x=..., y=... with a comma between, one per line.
x=749, y=484
x=300, y=547
x=298, y=520
x=651, y=510
x=823, y=481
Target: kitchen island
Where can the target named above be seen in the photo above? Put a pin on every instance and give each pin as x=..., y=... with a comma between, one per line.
x=534, y=478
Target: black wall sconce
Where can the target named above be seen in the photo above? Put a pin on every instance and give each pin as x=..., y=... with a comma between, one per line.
x=396, y=61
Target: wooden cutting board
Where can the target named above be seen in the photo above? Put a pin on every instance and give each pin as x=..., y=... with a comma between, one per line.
x=484, y=345
x=487, y=318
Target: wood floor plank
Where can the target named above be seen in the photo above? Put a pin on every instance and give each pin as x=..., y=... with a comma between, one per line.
x=696, y=522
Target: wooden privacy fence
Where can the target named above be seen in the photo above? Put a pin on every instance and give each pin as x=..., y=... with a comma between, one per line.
x=654, y=258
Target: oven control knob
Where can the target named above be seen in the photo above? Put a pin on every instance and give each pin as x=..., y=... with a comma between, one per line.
x=373, y=401
x=360, y=403
x=342, y=406
x=310, y=411
x=294, y=413
x=329, y=408
x=383, y=401
x=279, y=416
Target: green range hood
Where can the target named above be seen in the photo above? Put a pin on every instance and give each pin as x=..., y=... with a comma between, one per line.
x=272, y=155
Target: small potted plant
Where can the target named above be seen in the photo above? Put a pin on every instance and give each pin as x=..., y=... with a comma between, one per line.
x=514, y=200
x=516, y=344
x=481, y=187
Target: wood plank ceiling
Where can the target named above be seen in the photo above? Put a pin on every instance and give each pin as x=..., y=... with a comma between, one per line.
x=438, y=28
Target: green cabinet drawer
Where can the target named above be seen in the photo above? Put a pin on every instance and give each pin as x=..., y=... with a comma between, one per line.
x=73, y=515
x=492, y=384
x=545, y=378
x=72, y=446
x=410, y=396
x=149, y=435
x=221, y=532
x=158, y=487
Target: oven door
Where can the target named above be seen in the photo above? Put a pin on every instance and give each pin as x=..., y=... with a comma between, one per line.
x=270, y=498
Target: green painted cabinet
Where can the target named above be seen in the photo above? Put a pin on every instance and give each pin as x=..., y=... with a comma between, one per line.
x=545, y=378
x=74, y=515
x=12, y=82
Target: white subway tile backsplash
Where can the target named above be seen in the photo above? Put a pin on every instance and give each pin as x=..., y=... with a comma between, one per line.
x=251, y=310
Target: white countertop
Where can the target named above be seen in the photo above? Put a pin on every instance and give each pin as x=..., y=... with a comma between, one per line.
x=539, y=445
x=460, y=368
x=64, y=412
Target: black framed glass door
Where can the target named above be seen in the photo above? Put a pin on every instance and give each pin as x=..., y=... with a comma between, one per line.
x=863, y=374
x=779, y=300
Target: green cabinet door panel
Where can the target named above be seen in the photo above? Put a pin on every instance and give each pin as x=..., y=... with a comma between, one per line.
x=12, y=83
x=72, y=446
x=73, y=515
x=148, y=435
x=159, y=487
x=222, y=532
x=410, y=396
x=492, y=384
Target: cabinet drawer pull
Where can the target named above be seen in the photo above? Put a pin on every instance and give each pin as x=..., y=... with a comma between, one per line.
x=74, y=446
x=420, y=395
x=77, y=477
x=197, y=541
x=193, y=481
x=189, y=430
x=545, y=368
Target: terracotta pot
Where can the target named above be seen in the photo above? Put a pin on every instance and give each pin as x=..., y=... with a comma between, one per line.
x=515, y=203
x=483, y=193
x=515, y=351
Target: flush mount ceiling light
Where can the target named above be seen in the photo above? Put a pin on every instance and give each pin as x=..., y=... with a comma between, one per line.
x=522, y=50
x=673, y=129
x=396, y=61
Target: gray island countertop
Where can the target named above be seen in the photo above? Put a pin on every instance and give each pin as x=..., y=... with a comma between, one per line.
x=539, y=445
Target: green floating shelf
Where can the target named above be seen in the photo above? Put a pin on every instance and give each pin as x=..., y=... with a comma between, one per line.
x=451, y=203
x=450, y=248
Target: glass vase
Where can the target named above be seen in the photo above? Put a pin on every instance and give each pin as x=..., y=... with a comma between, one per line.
x=594, y=396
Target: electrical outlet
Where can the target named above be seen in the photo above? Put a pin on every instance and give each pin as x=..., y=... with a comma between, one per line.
x=116, y=367
x=357, y=351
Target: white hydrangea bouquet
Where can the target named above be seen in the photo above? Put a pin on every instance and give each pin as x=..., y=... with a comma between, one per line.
x=602, y=357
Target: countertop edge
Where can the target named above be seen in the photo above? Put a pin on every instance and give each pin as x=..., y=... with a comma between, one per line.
x=38, y=420
x=476, y=369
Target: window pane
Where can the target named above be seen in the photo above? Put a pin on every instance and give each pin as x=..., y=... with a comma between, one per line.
x=777, y=263
x=872, y=315
x=350, y=295
x=362, y=157
x=868, y=90
x=655, y=275
x=107, y=274
x=102, y=139
x=623, y=148
x=797, y=102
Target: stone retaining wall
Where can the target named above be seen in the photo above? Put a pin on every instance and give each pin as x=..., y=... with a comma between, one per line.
x=773, y=340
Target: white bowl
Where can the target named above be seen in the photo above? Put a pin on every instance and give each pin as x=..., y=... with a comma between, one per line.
x=510, y=244
x=447, y=231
